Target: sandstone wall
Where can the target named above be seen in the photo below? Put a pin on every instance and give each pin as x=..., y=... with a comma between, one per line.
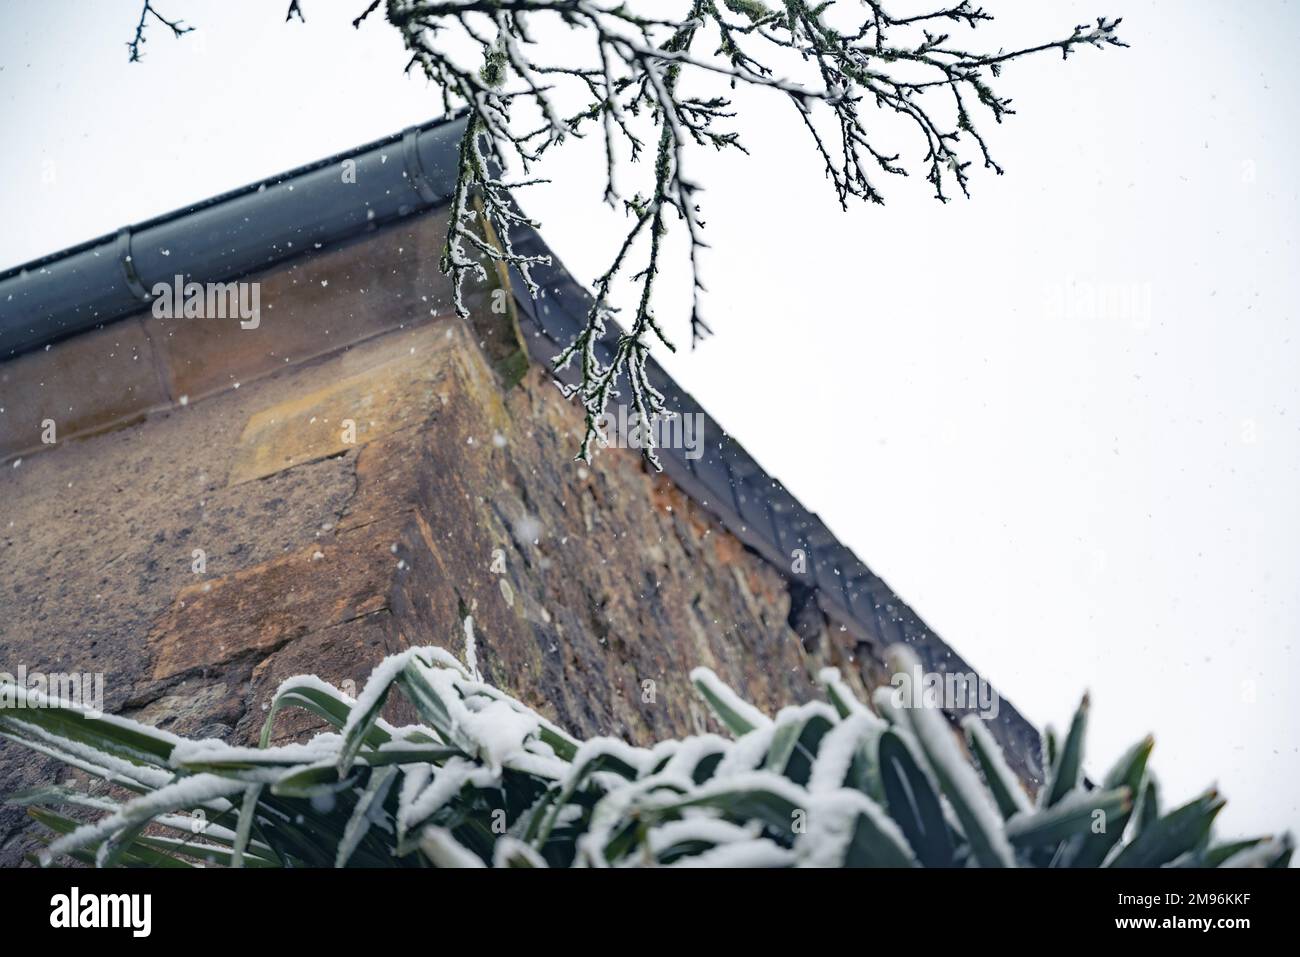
x=458, y=497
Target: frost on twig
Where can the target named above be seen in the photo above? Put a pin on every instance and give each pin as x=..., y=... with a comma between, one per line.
x=643, y=79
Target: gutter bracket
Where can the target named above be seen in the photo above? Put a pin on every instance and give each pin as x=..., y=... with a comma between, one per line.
x=133, y=282
x=415, y=174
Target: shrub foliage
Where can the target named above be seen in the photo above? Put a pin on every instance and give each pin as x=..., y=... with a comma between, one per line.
x=485, y=780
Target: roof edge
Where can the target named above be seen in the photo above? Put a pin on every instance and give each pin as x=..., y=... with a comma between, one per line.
x=229, y=235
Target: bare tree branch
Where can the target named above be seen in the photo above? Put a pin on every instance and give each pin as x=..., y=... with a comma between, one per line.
x=177, y=27
x=848, y=60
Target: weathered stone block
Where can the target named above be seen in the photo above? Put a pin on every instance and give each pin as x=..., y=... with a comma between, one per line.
x=98, y=380
x=257, y=610
x=392, y=394
x=310, y=307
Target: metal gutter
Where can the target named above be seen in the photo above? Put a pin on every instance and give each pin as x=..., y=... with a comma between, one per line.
x=231, y=235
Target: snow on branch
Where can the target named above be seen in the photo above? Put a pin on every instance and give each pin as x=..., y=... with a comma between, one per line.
x=642, y=83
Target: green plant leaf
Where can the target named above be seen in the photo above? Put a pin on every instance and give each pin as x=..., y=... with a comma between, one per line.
x=1270, y=853
x=912, y=802
x=243, y=830
x=1002, y=783
x=795, y=741
x=428, y=701
x=120, y=737
x=136, y=856
x=364, y=716
x=841, y=698
x=1067, y=768
x=749, y=803
x=1073, y=816
x=873, y=846
x=1216, y=854
x=1148, y=808
x=1130, y=772
x=738, y=716
x=1177, y=832
x=311, y=694
x=359, y=823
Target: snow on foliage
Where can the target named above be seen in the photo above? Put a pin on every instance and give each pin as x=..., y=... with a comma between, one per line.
x=735, y=712
x=486, y=781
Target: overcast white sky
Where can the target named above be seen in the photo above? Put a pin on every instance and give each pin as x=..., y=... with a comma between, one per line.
x=1061, y=419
